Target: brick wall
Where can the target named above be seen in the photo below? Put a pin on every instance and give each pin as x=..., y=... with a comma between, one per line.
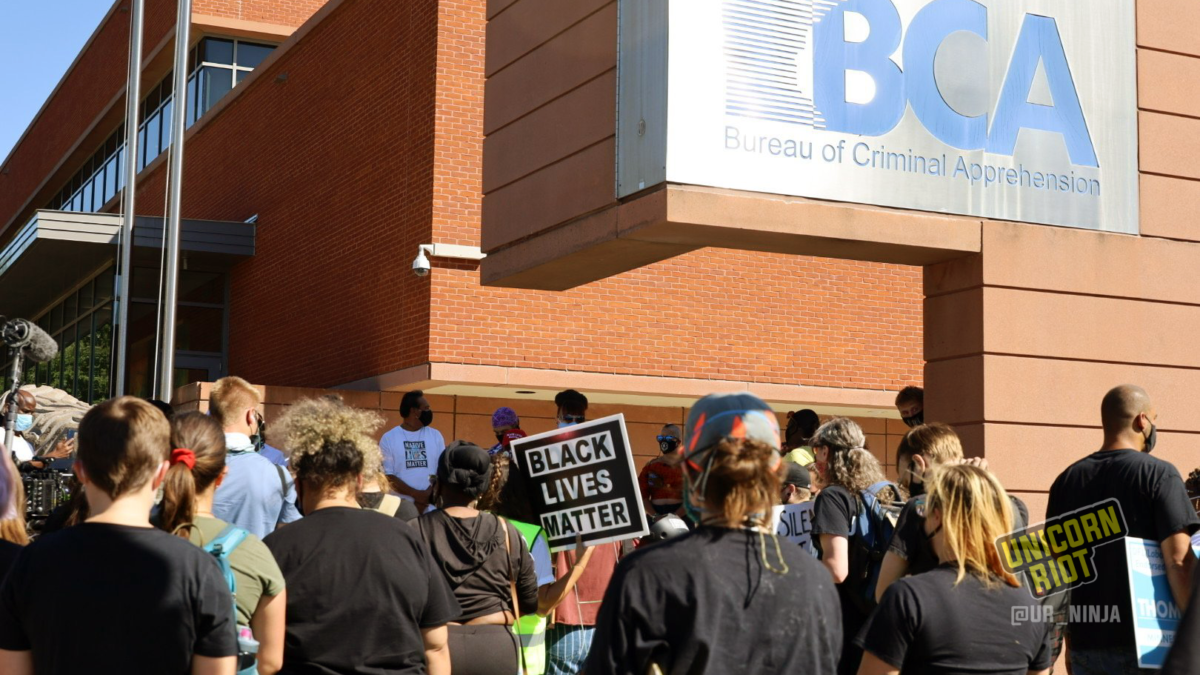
x=357, y=158
x=90, y=86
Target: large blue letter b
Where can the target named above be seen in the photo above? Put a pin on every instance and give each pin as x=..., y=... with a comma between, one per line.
x=833, y=56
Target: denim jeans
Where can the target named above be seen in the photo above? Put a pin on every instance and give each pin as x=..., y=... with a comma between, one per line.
x=567, y=648
x=1107, y=662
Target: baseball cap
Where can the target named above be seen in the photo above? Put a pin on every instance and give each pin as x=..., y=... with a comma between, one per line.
x=797, y=475
x=717, y=417
x=510, y=436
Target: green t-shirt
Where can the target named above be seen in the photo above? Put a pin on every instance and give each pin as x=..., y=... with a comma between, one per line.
x=802, y=455
x=254, y=568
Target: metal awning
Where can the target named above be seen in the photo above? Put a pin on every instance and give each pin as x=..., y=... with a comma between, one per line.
x=57, y=250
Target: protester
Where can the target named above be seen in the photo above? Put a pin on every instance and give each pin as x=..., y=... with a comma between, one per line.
x=910, y=402
x=197, y=469
x=661, y=479
x=572, y=408
x=1155, y=507
x=1193, y=491
x=922, y=449
x=411, y=451
x=570, y=638
x=486, y=562
x=723, y=598
x=507, y=427
x=959, y=617
x=800, y=429
x=114, y=594
x=1184, y=657
x=797, y=484
x=375, y=496
x=255, y=495
x=22, y=450
x=508, y=497
x=364, y=594
x=850, y=527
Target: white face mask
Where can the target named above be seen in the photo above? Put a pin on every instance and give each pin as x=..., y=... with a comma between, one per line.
x=563, y=424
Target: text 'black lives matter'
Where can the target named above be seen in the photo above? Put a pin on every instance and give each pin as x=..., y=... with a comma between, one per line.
x=583, y=481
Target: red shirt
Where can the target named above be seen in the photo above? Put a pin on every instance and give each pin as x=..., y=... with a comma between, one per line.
x=661, y=480
x=583, y=602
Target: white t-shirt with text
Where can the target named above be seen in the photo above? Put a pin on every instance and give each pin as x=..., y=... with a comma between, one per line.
x=412, y=456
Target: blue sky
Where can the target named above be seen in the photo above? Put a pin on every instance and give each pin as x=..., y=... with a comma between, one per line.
x=39, y=40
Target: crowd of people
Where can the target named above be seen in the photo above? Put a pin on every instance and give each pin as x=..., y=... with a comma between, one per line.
x=203, y=543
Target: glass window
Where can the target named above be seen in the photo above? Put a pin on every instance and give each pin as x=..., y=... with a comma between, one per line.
x=142, y=147
x=198, y=329
x=70, y=308
x=217, y=51
x=87, y=296
x=214, y=84
x=205, y=287
x=104, y=285
x=250, y=55
x=193, y=99
x=86, y=197
x=111, y=169
x=241, y=75
x=165, y=116
x=153, y=128
x=100, y=364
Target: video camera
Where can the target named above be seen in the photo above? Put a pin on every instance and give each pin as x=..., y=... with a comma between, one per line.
x=45, y=491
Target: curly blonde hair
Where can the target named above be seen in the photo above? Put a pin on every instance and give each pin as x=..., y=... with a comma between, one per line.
x=310, y=425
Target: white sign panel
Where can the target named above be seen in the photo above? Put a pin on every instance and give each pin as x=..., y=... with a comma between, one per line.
x=1021, y=110
x=793, y=522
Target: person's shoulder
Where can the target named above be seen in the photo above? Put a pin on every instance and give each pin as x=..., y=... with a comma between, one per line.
x=834, y=493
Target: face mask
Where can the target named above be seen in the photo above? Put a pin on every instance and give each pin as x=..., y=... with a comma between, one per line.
x=916, y=488
x=426, y=417
x=667, y=447
x=24, y=422
x=915, y=420
x=1151, y=439
x=563, y=424
x=931, y=535
x=499, y=436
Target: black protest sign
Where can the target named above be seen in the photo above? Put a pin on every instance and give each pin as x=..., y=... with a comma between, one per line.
x=582, y=481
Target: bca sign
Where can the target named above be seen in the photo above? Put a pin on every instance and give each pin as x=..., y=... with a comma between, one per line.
x=1020, y=110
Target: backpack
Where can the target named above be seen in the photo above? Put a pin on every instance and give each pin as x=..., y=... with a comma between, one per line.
x=870, y=534
x=221, y=547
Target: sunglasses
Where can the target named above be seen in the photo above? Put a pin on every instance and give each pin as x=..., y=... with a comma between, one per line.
x=574, y=419
x=667, y=439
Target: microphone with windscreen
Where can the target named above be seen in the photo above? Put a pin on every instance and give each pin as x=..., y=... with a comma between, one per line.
x=35, y=344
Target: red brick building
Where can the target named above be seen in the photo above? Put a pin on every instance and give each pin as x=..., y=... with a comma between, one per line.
x=355, y=140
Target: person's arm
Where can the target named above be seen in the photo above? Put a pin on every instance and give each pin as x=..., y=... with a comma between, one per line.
x=552, y=595
x=835, y=556
x=1180, y=561
x=437, y=650
x=16, y=663
x=872, y=665
x=1040, y=672
x=892, y=568
x=421, y=497
x=212, y=665
x=269, y=623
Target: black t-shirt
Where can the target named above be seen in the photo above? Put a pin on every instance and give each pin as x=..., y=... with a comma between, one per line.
x=705, y=603
x=98, y=598
x=371, y=500
x=834, y=513
x=1155, y=505
x=8, y=555
x=361, y=586
x=928, y=625
x=910, y=543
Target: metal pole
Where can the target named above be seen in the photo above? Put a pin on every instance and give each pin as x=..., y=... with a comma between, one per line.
x=133, y=98
x=10, y=412
x=166, y=375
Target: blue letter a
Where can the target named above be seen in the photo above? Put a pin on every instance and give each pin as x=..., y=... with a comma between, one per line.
x=833, y=56
x=1040, y=42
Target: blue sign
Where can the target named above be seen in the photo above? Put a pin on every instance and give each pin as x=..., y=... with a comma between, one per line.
x=1156, y=617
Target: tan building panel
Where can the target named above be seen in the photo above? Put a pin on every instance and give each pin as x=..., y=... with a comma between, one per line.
x=1169, y=145
x=529, y=23
x=1167, y=206
x=1169, y=25
x=581, y=118
x=578, y=184
x=581, y=53
x=1165, y=83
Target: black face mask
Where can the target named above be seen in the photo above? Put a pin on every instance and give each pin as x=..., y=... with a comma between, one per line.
x=1151, y=440
x=915, y=420
x=933, y=534
x=668, y=447
x=499, y=436
x=426, y=417
x=916, y=488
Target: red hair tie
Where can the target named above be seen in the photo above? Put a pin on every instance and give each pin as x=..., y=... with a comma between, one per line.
x=183, y=456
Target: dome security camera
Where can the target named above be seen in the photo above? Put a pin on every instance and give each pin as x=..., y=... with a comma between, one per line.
x=421, y=266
